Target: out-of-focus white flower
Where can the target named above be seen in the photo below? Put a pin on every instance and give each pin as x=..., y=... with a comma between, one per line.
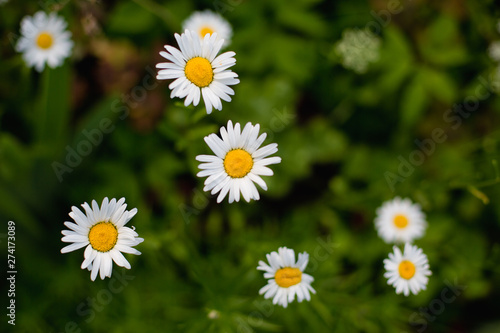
x=400, y=220
x=208, y=22
x=494, y=50
x=357, y=49
x=44, y=39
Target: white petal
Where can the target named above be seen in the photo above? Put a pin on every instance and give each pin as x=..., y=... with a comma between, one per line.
x=73, y=247
x=96, y=265
x=119, y=259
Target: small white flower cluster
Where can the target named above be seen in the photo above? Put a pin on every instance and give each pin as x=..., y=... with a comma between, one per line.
x=357, y=49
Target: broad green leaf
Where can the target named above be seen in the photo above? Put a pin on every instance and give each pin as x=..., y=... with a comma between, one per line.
x=303, y=21
x=442, y=44
x=413, y=102
x=396, y=60
x=438, y=84
x=130, y=18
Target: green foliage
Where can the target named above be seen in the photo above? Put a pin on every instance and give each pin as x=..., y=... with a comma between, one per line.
x=340, y=135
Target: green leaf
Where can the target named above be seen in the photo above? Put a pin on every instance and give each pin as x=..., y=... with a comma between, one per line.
x=104, y=113
x=14, y=207
x=413, y=102
x=439, y=85
x=131, y=18
x=395, y=47
x=442, y=44
x=396, y=60
x=302, y=20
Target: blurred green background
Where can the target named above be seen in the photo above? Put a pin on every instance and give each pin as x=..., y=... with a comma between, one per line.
x=342, y=137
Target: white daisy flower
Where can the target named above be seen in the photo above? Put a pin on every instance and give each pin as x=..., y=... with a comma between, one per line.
x=357, y=49
x=399, y=220
x=198, y=71
x=286, y=277
x=44, y=40
x=104, y=233
x=208, y=22
x=407, y=271
x=239, y=162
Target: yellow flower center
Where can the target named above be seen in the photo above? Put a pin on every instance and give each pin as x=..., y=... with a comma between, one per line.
x=206, y=30
x=406, y=269
x=238, y=163
x=199, y=71
x=103, y=236
x=287, y=277
x=44, y=40
x=400, y=221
